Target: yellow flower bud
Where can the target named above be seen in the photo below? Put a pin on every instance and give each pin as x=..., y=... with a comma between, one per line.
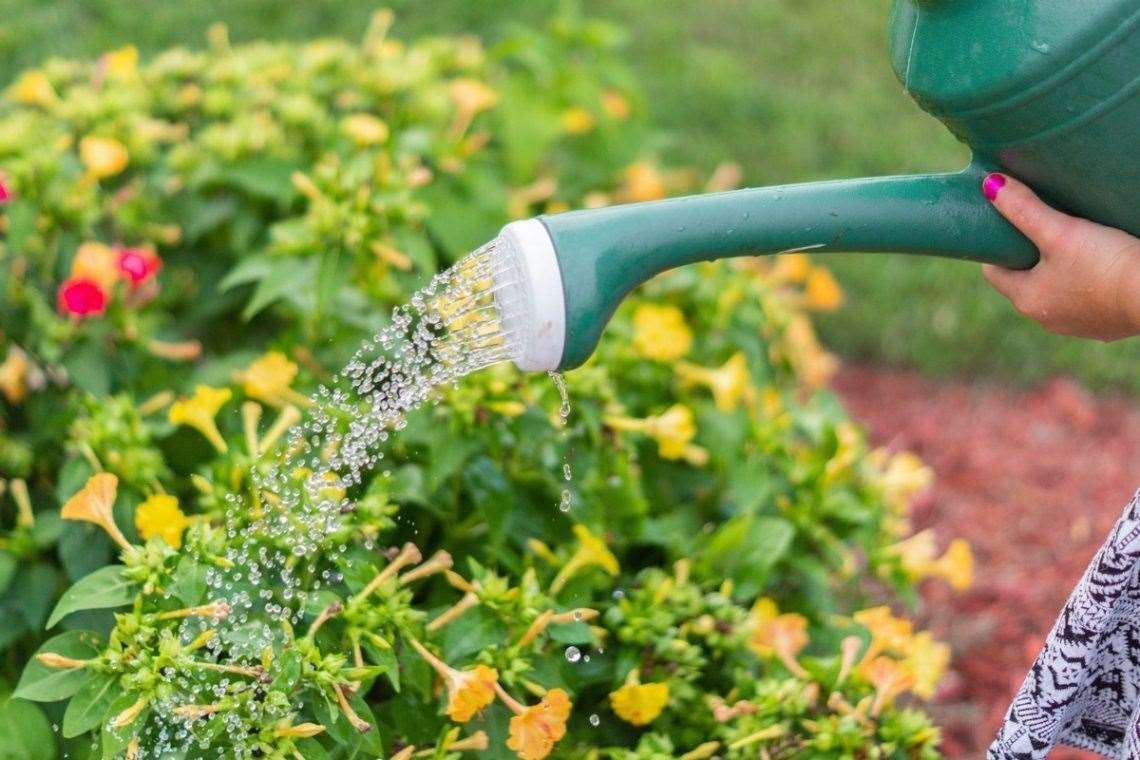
x=103, y=156
x=660, y=332
x=639, y=704
x=32, y=88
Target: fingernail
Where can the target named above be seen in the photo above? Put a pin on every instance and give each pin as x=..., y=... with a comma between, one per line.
x=992, y=185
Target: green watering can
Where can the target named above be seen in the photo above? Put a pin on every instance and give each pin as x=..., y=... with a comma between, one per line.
x=1046, y=90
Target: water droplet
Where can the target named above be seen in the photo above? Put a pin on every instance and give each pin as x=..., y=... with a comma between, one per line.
x=595, y=720
x=573, y=654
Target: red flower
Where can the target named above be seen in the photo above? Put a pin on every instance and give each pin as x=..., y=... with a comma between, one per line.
x=82, y=297
x=138, y=264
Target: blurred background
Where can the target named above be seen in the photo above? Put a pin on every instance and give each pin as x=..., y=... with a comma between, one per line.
x=1033, y=433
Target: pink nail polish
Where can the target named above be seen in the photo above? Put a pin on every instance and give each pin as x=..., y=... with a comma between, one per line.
x=992, y=185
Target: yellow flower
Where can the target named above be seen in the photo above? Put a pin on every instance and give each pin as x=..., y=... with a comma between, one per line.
x=33, y=89
x=926, y=660
x=918, y=555
x=95, y=503
x=783, y=635
x=96, y=262
x=199, y=412
x=122, y=62
x=536, y=729
x=615, y=105
x=637, y=703
x=591, y=551
x=791, y=268
x=472, y=96
x=103, y=156
x=957, y=565
x=507, y=408
x=673, y=430
x=577, y=121
x=365, y=129
x=888, y=633
x=889, y=678
x=269, y=379
x=642, y=182
x=728, y=383
x=14, y=375
x=901, y=477
x=822, y=292
x=849, y=447
x=813, y=365
x=161, y=516
x=468, y=691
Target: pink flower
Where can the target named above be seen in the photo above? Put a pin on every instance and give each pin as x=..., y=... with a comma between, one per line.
x=5, y=190
x=82, y=297
x=138, y=264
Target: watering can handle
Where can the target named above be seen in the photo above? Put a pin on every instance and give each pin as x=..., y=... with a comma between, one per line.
x=604, y=253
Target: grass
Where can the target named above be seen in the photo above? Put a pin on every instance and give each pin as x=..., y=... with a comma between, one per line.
x=793, y=90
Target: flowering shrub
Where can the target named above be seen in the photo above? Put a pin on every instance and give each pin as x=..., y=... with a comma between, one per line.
x=704, y=582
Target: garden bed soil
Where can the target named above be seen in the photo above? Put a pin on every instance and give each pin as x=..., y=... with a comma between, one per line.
x=1034, y=481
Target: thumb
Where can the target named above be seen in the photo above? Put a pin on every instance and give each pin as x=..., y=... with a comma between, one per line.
x=1038, y=221
x=1008, y=282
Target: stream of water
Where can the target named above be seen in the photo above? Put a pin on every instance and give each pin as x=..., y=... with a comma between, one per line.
x=447, y=330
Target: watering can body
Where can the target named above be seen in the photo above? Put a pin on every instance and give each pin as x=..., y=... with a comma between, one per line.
x=1046, y=90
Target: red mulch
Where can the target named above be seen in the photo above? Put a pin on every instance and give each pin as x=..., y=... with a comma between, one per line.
x=1034, y=481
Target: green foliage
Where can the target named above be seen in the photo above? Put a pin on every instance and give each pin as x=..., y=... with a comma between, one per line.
x=292, y=194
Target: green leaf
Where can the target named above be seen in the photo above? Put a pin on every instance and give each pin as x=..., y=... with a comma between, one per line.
x=268, y=178
x=286, y=671
x=25, y=733
x=311, y=749
x=102, y=589
x=40, y=683
x=7, y=570
x=14, y=626
x=384, y=658
x=47, y=530
x=34, y=590
x=83, y=549
x=746, y=547
x=189, y=581
x=21, y=215
x=91, y=704
x=332, y=275
x=89, y=367
x=472, y=632
x=247, y=270
x=288, y=276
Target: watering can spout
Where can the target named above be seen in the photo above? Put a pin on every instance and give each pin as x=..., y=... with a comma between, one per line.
x=600, y=255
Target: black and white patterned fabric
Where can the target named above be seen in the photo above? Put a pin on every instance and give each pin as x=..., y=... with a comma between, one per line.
x=1084, y=689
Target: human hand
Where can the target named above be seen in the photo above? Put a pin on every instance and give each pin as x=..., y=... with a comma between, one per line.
x=1087, y=283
